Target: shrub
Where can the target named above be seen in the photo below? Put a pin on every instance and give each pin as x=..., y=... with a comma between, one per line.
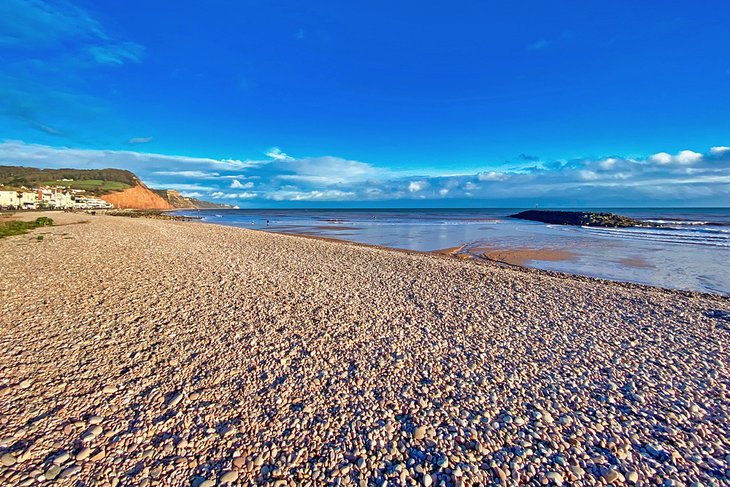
x=43, y=221
x=15, y=227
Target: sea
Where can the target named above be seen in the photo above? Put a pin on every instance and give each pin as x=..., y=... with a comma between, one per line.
x=690, y=251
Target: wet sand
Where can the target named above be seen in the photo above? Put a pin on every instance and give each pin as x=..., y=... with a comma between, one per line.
x=148, y=352
x=523, y=256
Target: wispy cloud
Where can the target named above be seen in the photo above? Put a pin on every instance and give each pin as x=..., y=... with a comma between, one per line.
x=139, y=140
x=117, y=54
x=537, y=45
x=315, y=195
x=39, y=23
x=189, y=174
x=50, y=48
x=220, y=195
x=684, y=177
x=43, y=25
x=277, y=154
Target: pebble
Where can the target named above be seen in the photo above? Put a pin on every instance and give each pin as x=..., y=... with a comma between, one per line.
x=83, y=454
x=52, y=472
x=229, y=476
x=610, y=477
x=68, y=472
x=8, y=460
x=175, y=400
x=61, y=458
x=555, y=478
x=307, y=362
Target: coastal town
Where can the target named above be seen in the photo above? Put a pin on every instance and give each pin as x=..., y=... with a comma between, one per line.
x=49, y=197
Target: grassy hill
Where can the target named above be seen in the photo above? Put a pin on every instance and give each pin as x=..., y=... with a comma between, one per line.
x=94, y=181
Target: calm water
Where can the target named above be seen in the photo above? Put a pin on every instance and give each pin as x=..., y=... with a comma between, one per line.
x=692, y=253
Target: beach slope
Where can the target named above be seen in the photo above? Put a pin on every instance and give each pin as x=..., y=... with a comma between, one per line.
x=147, y=352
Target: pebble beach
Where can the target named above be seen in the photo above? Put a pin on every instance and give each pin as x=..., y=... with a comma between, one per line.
x=149, y=352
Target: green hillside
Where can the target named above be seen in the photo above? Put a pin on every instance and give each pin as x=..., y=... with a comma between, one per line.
x=93, y=181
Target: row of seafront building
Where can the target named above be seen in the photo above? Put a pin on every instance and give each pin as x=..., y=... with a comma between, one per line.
x=49, y=197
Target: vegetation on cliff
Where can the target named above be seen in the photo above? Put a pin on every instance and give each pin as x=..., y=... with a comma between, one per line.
x=94, y=181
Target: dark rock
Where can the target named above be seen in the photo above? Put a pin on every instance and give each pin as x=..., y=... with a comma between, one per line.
x=583, y=218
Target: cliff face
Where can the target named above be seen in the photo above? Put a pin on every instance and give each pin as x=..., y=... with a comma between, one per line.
x=138, y=197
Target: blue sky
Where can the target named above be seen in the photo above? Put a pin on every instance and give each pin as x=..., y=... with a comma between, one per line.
x=283, y=103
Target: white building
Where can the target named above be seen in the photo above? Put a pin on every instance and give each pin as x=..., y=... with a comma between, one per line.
x=91, y=204
x=49, y=197
x=22, y=198
x=55, y=198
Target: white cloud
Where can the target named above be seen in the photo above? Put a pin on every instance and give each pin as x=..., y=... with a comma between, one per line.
x=219, y=195
x=17, y=152
x=236, y=184
x=688, y=157
x=661, y=158
x=689, y=174
x=416, y=186
x=192, y=194
x=325, y=170
x=607, y=163
x=277, y=154
x=328, y=195
x=683, y=157
x=492, y=176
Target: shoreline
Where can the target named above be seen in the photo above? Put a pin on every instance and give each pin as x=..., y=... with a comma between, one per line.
x=154, y=352
x=453, y=253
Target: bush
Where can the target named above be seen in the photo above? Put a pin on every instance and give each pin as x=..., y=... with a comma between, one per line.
x=43, y=221
x=15, y=227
